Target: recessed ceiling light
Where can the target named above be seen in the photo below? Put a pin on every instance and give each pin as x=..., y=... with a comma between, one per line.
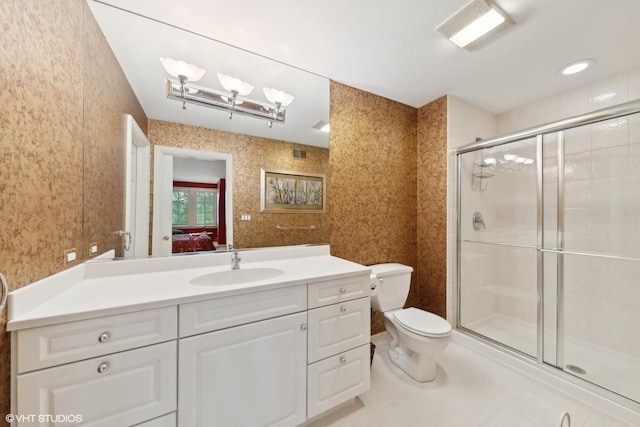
x=322, y=126
x=578, y=66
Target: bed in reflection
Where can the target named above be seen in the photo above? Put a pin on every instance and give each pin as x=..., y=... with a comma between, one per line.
x=185, y=241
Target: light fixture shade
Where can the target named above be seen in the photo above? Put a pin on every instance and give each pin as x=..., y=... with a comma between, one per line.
x=277, y=96
x=233, y=84
x=178, y=68
x=472, y=22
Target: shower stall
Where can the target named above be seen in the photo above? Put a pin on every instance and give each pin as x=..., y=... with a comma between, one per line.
x=548, y=246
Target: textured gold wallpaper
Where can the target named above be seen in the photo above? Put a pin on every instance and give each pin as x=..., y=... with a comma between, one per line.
x=41, y=147
x=432, y=206
x=251, y=153
x=372, y=181
x=107, y=98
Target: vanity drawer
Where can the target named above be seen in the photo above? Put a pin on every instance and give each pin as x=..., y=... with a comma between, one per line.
x=338, y=290
x=336, y=379
x=69, y=342
x=220, y=313
x=116, y=390
x=338, y=327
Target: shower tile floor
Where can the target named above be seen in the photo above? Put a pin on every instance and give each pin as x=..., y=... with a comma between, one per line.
x=470, y=390
x=616, y=371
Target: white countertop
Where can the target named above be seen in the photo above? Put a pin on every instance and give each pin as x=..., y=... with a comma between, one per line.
x=114, y=287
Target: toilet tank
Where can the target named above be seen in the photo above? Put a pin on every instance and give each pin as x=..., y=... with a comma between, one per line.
x=392, y=286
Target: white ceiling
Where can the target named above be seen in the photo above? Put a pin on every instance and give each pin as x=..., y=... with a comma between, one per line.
x=391, y=48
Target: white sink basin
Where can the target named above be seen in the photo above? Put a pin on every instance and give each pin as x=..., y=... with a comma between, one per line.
x=237, y=277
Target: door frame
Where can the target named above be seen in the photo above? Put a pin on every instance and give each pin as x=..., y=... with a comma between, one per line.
x=163, y=186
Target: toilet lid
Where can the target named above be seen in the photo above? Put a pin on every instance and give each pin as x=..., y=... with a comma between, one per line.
x=422, y=322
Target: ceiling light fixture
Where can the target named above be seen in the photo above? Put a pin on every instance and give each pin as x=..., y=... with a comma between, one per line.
x=578, y=66
x=322, y=126
x=232, y=101
x=473, y=21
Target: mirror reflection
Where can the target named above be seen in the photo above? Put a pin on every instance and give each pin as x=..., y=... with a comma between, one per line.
x=138, y=44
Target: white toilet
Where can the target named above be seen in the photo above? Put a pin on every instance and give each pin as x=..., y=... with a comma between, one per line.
x=417, y=336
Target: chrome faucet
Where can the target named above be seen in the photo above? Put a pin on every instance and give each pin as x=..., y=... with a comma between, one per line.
x=235, y=261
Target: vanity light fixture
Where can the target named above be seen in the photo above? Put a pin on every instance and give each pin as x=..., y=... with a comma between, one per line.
x=183, y=72
x=233, y=101
x=473, y=21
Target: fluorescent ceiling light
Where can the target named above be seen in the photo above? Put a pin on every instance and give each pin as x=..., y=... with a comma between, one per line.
x=322, y=126
x=472, y=22
x=578, y=66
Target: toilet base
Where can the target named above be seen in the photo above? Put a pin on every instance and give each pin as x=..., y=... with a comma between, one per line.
x=415, y=355
x=421, y=368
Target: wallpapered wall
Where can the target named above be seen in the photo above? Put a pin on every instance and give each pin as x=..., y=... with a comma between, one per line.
x=432, y=206
x=41, y=142
x=372, y=181
x=251, y=153
x=107, y=96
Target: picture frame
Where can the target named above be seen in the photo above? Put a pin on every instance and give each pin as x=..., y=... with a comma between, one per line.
x=283, y=191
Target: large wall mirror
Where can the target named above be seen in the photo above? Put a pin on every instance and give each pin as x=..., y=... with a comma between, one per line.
x=138, y=42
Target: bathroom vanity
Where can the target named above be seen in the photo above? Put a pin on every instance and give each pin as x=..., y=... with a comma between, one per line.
x=187, y=341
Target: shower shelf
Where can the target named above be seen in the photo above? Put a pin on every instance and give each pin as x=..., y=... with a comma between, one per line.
x=483, y=175
x=479, y=174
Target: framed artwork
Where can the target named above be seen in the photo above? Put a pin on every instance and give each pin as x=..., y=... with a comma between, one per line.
x=291, y=192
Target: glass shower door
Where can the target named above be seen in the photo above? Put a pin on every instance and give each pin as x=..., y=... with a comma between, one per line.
x=592, y=253
x=498, y=223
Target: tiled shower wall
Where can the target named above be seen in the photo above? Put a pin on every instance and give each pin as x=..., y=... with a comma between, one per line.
x=602, y=205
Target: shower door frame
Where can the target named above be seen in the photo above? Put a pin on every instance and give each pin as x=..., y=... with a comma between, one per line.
x=538, y=133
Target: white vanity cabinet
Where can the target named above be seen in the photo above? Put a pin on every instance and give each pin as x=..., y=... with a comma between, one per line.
x=165, y=353
x=338, y=343
x=114, y=388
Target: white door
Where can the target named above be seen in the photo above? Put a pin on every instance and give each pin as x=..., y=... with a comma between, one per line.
x=115, y=390
x=136, y=238
x=250, y=375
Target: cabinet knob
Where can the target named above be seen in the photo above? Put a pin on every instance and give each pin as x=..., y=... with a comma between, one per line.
x=103, y=367
x=343, y=309
x=104, y=337
x=303, y=327
x=343, y=360
x=343, y=290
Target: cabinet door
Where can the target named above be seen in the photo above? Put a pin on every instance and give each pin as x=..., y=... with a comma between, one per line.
x=250, y=375
x=116, y=390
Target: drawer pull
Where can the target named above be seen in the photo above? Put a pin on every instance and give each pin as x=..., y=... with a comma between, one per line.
x=343, y=309
x=343, y=291
x=343, y=360
x=104, y=337
x=103, y=367
x=303, y=327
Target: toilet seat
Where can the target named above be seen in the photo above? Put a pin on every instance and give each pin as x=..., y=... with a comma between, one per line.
x=422, y=322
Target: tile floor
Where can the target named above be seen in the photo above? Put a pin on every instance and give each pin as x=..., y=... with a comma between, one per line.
x=470, y=390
